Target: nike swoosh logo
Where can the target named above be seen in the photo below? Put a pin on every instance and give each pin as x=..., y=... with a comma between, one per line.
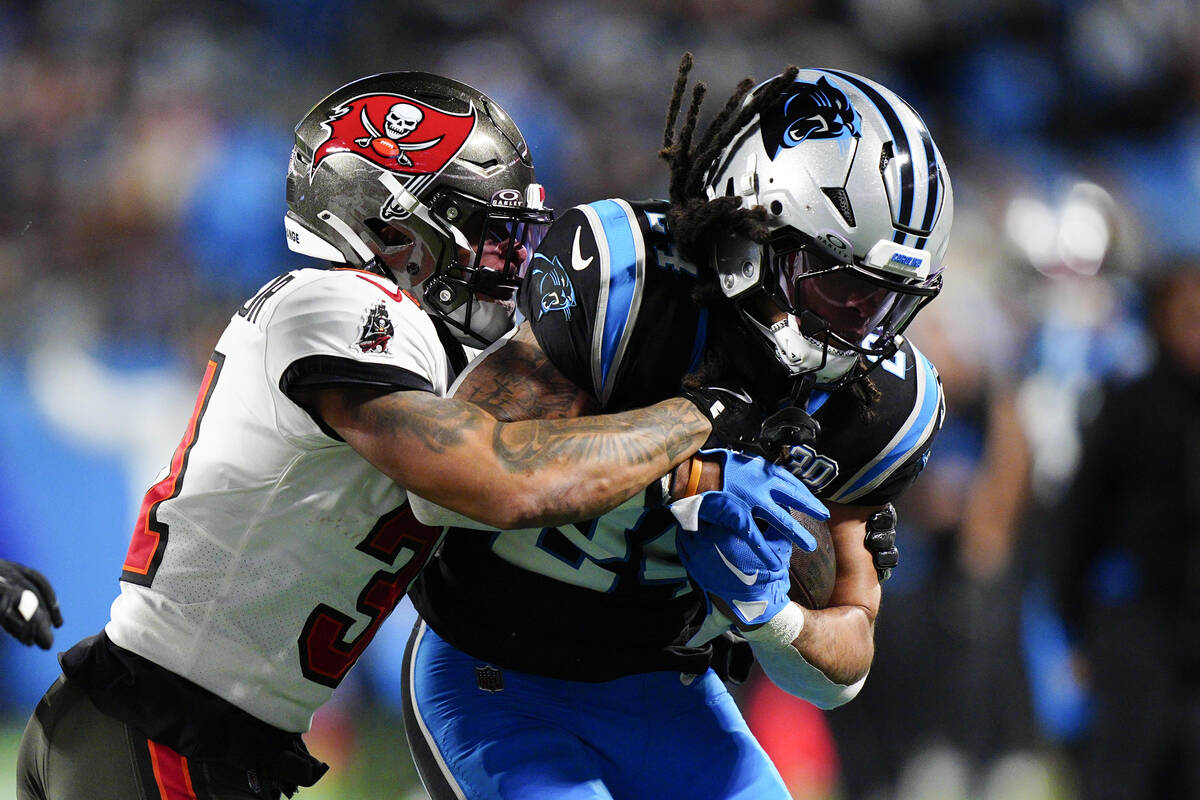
x=577, y=262
x=399, y=295
x=747, y=578
x=741, y=395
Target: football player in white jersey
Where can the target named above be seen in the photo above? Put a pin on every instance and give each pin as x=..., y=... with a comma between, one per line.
x=278, y=538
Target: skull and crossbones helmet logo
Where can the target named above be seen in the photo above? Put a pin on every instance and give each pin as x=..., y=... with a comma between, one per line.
x=402, y=119
x=379, y=181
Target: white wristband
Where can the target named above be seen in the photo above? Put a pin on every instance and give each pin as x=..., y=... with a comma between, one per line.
x=781, y=630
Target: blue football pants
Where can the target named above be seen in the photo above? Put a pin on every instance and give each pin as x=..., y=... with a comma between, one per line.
x=478, y=733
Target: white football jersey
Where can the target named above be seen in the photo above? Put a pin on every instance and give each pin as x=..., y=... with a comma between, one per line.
x=269, y=552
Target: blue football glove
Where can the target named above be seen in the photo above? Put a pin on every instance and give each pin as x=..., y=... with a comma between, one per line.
x=753, y=489
x=723, y=547
x=743, y=572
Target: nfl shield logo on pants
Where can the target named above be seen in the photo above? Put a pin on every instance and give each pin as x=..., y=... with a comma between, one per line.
x=489, y=678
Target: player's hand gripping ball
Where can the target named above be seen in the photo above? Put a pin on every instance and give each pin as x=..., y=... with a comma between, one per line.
x=736, y=539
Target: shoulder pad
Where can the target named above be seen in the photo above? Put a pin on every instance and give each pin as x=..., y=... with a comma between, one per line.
x=595, y=291
x=349, y=326
x=881, y=450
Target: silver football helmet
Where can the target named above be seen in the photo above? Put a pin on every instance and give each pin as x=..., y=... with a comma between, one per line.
x=859, y=205
x=428, y=180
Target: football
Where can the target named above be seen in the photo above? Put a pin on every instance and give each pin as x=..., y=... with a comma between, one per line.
x=813, y=573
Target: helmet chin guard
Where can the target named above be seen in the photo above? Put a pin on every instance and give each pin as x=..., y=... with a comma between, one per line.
x=800, y=354
x=477, y=323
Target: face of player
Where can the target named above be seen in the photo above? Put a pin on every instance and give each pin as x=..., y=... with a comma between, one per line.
x=498, y=259
x=468, y=273
x=504, y=261
x=848, y=303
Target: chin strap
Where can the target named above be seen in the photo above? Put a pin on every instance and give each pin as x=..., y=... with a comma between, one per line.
x=377, y=266
x=802, y=389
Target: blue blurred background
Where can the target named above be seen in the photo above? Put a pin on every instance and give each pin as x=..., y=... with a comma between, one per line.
x=142, y=170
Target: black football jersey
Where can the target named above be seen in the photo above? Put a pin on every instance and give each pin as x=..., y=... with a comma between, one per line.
x=610, y=303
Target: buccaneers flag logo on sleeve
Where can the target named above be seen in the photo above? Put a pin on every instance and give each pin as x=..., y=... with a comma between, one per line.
x=397, y=133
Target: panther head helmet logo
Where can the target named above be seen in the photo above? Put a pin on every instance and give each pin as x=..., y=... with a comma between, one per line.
x=813, y=111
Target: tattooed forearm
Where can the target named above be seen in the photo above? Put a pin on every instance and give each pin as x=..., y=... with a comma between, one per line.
x=515, y=415
x=435, y=424
x=516, y=387
x=518, y=382
x=667, y=430
x=589, y=466
x=439, y=425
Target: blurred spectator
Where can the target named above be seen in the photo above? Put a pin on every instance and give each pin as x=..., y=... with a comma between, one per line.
x=1127, y=564
x=947, y=703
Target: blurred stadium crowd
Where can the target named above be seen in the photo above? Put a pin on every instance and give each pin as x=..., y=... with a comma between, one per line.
x=144, y=149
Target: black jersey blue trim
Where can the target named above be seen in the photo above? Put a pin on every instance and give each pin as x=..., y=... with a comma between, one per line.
x=916, y=431
x=816, y=400
x=622, y=279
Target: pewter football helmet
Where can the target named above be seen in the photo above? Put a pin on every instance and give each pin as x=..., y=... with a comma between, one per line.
x=860, y=207
x=425, y=178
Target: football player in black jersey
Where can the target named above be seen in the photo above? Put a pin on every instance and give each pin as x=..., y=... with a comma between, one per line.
x=805, y=229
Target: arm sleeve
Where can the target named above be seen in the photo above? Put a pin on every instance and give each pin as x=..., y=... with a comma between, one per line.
x=789, y=670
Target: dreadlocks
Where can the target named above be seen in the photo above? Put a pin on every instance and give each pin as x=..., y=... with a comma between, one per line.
x=694, y=219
